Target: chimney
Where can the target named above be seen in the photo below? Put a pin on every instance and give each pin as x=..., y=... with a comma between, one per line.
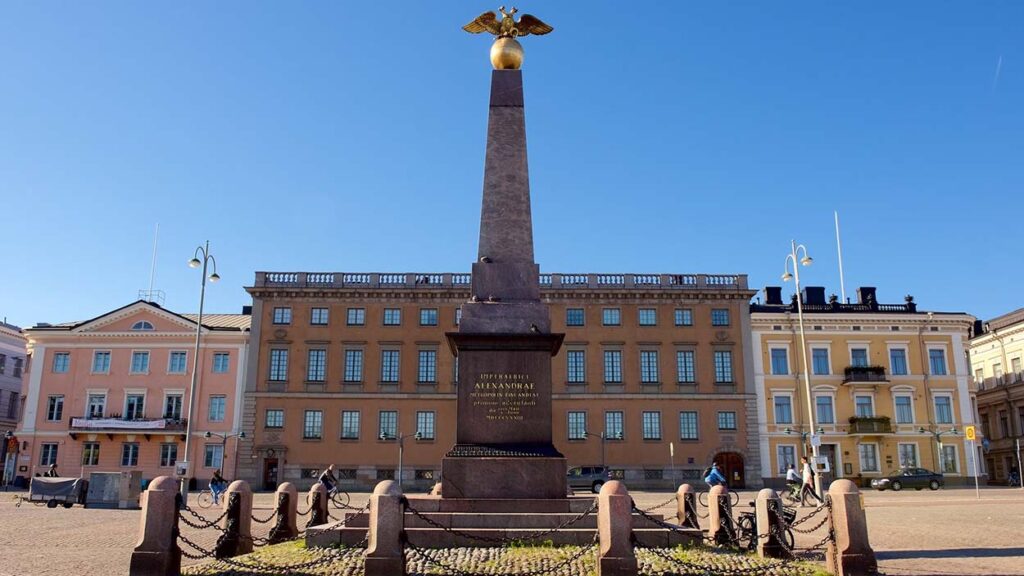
x=866, y=295
x=814, y=295
x=773, y=295
x=247, y=310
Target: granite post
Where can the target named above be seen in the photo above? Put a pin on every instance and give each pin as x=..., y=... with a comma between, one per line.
x=286, y=525
x=237, y=524
x=156, y=553
x=385, y=555
x=720, y=528
x=615, y=529
x=768, y=512
x=318, y=502
x=850, y=553
x=686, y=507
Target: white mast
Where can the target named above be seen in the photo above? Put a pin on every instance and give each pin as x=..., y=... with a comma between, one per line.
x=839, y=247
x=152, y=268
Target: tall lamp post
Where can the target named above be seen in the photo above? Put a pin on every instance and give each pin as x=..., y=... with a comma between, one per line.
x=401, y=447
x=938, y=434
x=8, y=453
x=792, y=259
x=224, y=442
x=204, y=253
x=604, y=439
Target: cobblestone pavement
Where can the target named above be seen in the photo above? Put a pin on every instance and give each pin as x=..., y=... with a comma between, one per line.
x=921, y=533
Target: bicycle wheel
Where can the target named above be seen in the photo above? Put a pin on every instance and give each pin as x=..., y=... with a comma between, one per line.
x=747, y=537
x=791, y=497
x=789, y=540
x=205, y=499
x=734, y=499
x=340, y=499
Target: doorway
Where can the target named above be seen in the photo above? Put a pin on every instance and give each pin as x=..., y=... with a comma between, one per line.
x=731, y=464
x=830, y=453
x=270, y=474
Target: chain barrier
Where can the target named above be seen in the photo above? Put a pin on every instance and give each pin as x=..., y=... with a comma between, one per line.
x=202, y=522
x=524, y=538
x=341, y=522
x=671, y=500
x=428, y=556
x=693, y=509
x=266, y=520
x=202, y=553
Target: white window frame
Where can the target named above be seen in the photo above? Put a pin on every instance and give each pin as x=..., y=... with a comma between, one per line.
x=874, y=409
x=771, y=364
x=93, y=392
x=935, y=407
x=792, y=408
x=826, y=392
x=890, y=346
x=170, y=355
x=945, y=359
x=209, y=405
x=131, y=362
x=214, y=465
x=213, y=367
x=168, y=394
x=917, y=454
x=913, y=409
x=865, y=345
x=134, y=392
x=67, y=366
x=828, y=350
x=779, y=464
x=956, y=459
x=110, y=361
x=878, y=460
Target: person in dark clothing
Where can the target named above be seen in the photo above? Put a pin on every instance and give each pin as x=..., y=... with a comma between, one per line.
x=217, y=486
x=327, y=478
x=52, y=472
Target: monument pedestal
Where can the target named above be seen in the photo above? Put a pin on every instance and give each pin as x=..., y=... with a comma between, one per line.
x=496, y=478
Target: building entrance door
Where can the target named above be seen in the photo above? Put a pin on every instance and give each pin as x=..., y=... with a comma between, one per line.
x=270, y=474
x=829, y=452
x=731, y=464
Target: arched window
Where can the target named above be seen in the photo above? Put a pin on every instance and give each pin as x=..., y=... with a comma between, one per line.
x=142, y=325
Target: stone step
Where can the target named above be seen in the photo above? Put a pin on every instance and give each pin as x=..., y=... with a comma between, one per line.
x=462, y=520
x=436, y=538
x=572, y=504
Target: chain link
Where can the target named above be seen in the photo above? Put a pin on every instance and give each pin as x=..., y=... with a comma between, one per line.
x=273, y=514
x=203, y=553
x=203, y=522
x=662, y=505
x=524, y=538
x=451, y=570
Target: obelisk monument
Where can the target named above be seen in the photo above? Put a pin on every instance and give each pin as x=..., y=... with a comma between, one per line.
x=504, y=344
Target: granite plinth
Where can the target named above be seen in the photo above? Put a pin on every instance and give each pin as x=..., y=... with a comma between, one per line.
x=505, y=318
x=510, y=281
x=535, y=478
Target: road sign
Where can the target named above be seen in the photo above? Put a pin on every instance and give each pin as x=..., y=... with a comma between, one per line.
x=969, y=432
x=815, y=440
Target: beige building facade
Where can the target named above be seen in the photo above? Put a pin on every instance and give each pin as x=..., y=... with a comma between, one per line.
x=997, y=362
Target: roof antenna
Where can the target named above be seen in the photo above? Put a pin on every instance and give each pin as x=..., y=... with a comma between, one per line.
x=151, y=295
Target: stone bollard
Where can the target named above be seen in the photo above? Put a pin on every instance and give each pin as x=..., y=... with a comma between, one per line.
x=615, y=531
x=318, y=502
x=720, y=529
x=157, y=553
x=770, y=529
x=385, y=555
x=285, y=526
x=686, y=507
x=850, y=553
x=237, y=524
x=436, y=490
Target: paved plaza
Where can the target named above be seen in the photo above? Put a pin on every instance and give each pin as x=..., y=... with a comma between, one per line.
x=941, y=533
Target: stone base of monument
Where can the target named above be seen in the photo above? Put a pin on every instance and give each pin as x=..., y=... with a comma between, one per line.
x=475, y=520
x=487, y=478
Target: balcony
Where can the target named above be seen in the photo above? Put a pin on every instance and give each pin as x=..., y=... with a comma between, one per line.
x=118, y=425
x=870, y=425
x=997, y=381
x=872, y=374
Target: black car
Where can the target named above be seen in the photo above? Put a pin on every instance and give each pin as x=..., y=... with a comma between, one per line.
x=917, y=478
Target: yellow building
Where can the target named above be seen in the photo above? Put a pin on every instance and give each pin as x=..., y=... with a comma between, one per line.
x=889, y=385
x=997, y=362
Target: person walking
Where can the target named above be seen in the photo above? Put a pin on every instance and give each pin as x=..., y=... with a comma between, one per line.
x=808, y=483
x=52, y=472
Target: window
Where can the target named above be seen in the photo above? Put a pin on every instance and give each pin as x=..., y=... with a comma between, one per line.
x=904, y=409
x=316, y=362
x=130, y=454
x=356, y=317
x=949, y=460
x=1004, y=424
x=943, y=410
x=353, y=365
x=727, y=420
x=427, y=367
x=723, y=366
x=17, y=367
x=825, y=411
x=868, y=457
x=649, y=366
x=648, y=317
x=96, y=405
x=688, y=425
x=392, y=316
x=217, y=406
x=428, y=316
x=12, y=405
x=613, y=366
x=684, y=317
x=864, y=406
x=979, y=377
x=937, y=361
x=783, y=409
x=684, y=367
x=350, y=424
x=134, y=406
x=100, y=362
x=91, y=454
x=221, y=362
x=576, y=367
x=859, y=357
x=213, y=456
x=140, y=362
x=652, y=425
x=278, y=365
x=387, y=424
x=3, y=363
x=898, y=361
x=425, y=425
x=172, y=406
x=819, y=361
x=47, y=453
x=458, y=316
x=720, y=317
x=908, y=455
x=577, y=425
x=389, y=366
x=611, y=317
x=282, y=315
x=574, y=316
x=318, y=316
x=780, y=361
x=61, y=362
x=55, y=408
x=785, y=454
x=168, y=454
x=142, y=325
x=614, y=424
x=274, y=418
x=176, y=363
x=313, y=425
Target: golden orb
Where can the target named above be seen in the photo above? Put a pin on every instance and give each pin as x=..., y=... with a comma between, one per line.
x=506, y=54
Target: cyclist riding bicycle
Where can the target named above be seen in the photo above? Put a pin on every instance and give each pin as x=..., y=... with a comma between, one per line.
x=714, y=476
x=327, y=478
x=217, y=486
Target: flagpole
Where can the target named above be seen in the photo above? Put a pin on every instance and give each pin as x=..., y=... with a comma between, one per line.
x=839, y=247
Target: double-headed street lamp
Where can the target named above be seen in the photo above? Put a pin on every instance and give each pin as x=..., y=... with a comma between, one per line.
x=224, y=442
x=604, y=439
x=938, y=434
x=401, y=447
x=204, y=253
x=792, y=258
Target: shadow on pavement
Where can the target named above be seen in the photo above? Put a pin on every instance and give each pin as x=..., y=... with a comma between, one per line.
x=950, y=553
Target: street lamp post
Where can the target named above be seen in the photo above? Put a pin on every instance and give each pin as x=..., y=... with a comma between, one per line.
x=7, y=455
x=604, y=439
x=401, y=447
x=224, y=442
x=795, y=276
x=195, y=262
x=938, y=434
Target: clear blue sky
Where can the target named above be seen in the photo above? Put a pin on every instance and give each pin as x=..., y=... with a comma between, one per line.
x=668, y=137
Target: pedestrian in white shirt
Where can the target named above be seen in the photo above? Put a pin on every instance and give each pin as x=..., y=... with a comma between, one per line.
x=808, y=483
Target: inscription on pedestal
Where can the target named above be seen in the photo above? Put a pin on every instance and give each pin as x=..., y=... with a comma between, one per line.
x=504, y=396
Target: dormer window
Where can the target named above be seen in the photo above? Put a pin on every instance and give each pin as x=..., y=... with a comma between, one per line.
x=143, y=325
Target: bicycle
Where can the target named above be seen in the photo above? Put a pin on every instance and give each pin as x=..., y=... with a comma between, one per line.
x=792, y=493
x=747, y=527
x=337, y=496
x=204, y=498
x=734, y=499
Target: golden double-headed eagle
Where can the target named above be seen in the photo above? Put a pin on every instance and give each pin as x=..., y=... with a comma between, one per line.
x=508, y=26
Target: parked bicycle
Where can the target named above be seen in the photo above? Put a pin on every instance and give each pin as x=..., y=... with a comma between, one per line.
x=746, y=526
x=734, y=499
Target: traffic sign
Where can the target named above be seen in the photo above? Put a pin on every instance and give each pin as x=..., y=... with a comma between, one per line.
x=815, y=440
x=969, y=432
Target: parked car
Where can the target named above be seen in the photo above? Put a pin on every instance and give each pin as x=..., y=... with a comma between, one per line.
x=592, y=477
x=917, y=478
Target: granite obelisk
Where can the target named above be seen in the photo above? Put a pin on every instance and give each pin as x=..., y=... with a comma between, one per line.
x=504, y=344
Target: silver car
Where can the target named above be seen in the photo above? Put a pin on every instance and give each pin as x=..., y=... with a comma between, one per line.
x=588, y=477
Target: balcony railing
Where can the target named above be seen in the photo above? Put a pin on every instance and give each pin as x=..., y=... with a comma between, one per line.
x=140, y=424
x=997, y=381
x=863, y=425
x=553, y=281
x=864, y=374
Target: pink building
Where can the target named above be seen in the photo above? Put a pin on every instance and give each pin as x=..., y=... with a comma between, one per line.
x=111, y=393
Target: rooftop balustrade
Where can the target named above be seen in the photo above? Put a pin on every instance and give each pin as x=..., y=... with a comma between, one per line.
x=554, y=281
